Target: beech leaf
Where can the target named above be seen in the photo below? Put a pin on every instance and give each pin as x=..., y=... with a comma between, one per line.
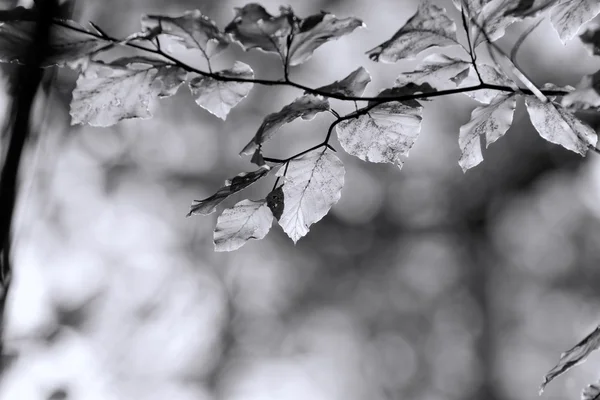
x=383, y=135
x=192, y=29
x=568, y=16
x=439, y=70
x=586, y=95
x=232, y=186
x=493, y=20
x=352, y=85
x=591, y=392
x=109, y=92
x=574, y=356
x=246, y=220
x=591, y=39
x=306, y=106
x=313, y=184
x=68, y=41
x=491, y=121
x=317, y=30
x=557, y=125
x=219, y=97
x=430, y=26
x=253, y=27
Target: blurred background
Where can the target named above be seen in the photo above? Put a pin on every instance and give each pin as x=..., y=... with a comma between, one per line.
x=422, y=283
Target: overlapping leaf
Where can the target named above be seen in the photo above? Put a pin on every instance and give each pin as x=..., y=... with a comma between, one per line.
x=219, y=97
x=557, y=125
x=493, y=20
x=253, y=27
x=68, y=41
x=491, y=121
x=573, y=356
x=591, y=392
x=489, y=74
x=246, y=220
x=568, y=16
x=193, y=29
x=429, y=27
x=439, y=70
x=591, y=39
x=313, y=184
x=383, y=135
x=317, y=30
x=232, y=186
x=352, y=85
x=306, y=107
x=109, y=92
x=586, y=95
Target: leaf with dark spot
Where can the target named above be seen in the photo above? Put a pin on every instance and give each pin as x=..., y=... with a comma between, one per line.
x=275, y=201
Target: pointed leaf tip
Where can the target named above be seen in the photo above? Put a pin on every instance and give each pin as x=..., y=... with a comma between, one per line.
x=429, y=26
x=313, y=184
x=574, y=356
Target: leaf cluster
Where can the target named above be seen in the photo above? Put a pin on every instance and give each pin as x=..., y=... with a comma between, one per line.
x=382, y=130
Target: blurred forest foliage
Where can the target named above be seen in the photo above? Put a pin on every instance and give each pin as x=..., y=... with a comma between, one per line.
x=422, y=284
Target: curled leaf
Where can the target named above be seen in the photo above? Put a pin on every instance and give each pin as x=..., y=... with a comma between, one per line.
x=246, y=220
x=253, y=27
x=193, y=29
x=430, y=26
x=232, y=186
x=313, y=184
x=109, y=92
x=352, y=85
x=574, y=356
x=383, y=135
x=557, y=125
x=219, y=97
x=306, y=107
x=317, y=30
x=528, y=8
x=491, y=121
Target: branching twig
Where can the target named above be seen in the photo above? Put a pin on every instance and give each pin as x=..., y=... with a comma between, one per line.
x=472, y=52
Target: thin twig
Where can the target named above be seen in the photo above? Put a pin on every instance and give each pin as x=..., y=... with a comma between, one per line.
x=268, y=82
x=472, y=52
